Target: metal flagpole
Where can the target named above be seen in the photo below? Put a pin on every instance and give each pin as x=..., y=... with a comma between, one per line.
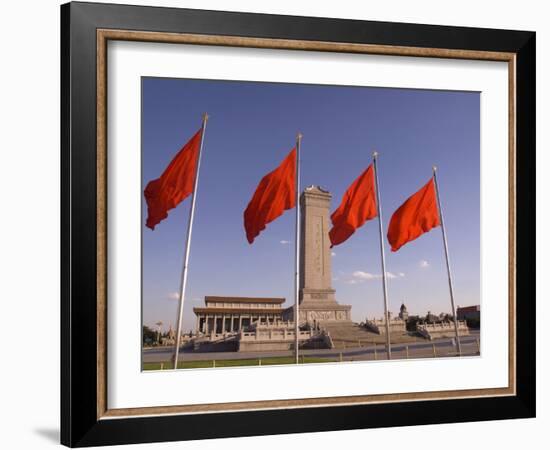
x=383, y=257
x=297, y=254
x=183, y=281
x=444, y=234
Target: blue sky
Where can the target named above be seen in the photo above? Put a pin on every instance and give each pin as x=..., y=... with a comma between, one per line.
x=251, y=129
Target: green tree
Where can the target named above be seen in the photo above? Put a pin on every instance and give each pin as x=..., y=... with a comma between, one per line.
x=148, y=335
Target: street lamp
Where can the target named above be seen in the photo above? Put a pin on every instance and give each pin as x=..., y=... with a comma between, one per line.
x=159, y=325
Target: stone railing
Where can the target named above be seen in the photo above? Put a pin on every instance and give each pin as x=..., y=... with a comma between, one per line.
x=168, y=341
x=441, y=325
x=216, y=336
x=262, y=332
x=379, y=325
x=278, y=325
x=431, y=330
x=275, y=335
x=382, y=322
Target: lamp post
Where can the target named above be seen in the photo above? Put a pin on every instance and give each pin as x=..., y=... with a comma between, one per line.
x=159, y=325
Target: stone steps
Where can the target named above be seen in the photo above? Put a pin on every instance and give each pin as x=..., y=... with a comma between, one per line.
x=349, y=334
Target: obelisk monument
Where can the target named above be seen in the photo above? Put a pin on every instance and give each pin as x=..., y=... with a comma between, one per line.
x=317, y=297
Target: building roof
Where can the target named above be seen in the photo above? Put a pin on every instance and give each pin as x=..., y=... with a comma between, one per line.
x=217, y=310
x=463, y=309
x=212, y=298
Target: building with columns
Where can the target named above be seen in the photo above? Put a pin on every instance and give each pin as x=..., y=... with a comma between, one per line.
x=233, y=314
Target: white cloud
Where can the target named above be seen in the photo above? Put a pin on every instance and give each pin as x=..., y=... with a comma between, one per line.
x=284, y=242
x=363, y=275
x=359, y=276
x=423, y=263
x=176, y=296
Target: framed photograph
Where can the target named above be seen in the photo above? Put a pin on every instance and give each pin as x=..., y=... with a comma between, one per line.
x=276, y=224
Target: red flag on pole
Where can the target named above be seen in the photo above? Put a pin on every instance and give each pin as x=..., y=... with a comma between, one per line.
x=418, y=215
x=175, y=184
x=273, y=196
x=358, y=205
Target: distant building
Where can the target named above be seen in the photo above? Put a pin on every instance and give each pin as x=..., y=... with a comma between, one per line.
x=169, y=338
x=403, y=313
x=468, y=312
x=232, y=314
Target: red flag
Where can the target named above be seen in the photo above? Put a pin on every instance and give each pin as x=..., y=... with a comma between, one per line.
x=418, y=215
x=358, y=205
x=274, y=195
x=175, y=184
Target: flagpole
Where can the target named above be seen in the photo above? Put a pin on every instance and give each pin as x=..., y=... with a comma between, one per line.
x=183, y=281
x=383, y=256
x=444, y=234
x=297, y=254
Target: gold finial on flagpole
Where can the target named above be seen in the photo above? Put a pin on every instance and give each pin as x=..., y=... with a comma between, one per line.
x=205, y=117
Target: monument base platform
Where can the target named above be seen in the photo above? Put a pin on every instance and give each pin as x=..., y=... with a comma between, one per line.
x=317, y=311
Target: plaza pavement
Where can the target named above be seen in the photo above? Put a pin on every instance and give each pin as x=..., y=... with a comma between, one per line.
x=420, y=349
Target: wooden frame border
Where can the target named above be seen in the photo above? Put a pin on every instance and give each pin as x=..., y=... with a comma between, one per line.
x=85, y=420
x=103, y=36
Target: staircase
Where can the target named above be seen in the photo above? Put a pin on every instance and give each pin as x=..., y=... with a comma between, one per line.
x=347, y=334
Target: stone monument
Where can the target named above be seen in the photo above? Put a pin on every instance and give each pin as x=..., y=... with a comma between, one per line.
x=317, y=297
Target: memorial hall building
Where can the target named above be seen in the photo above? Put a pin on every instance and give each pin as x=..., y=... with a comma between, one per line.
x=232, y=314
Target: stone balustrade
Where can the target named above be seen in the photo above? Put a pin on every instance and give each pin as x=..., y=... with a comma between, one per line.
x=277, y=325
x=275, y=335
x=442, y=329
x=264, y=337
x=378, y=326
